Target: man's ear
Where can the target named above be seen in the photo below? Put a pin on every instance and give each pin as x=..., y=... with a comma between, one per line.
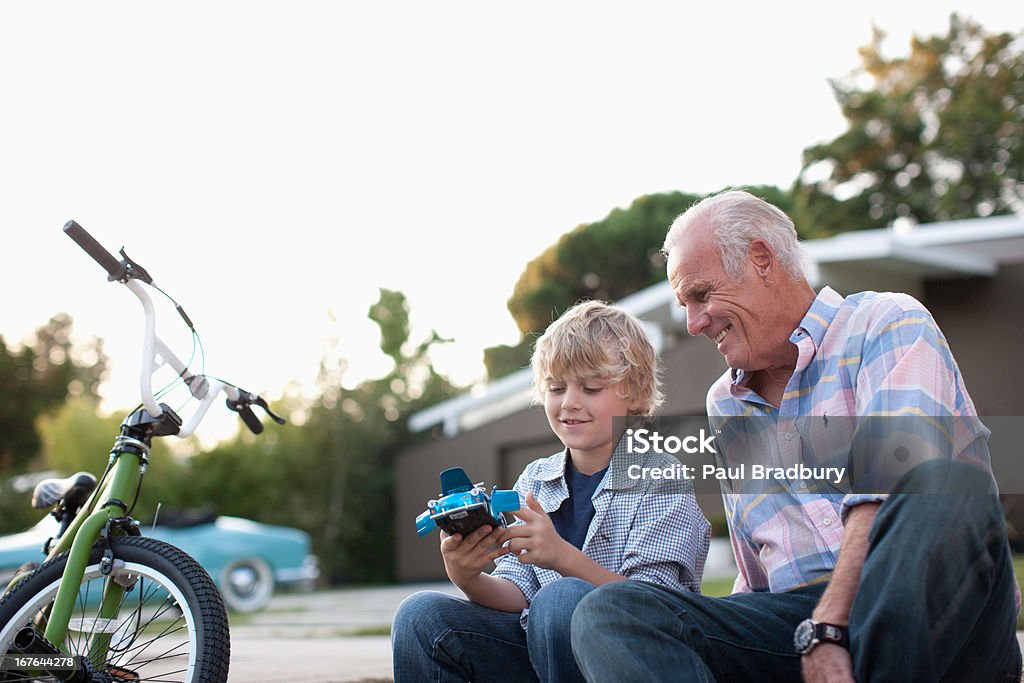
x=763, y=260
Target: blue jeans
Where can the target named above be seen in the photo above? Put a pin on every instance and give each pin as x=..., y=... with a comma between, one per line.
x=439, y=637
x=935, y=603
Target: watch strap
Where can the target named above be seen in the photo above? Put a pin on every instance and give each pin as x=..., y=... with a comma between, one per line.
x=810, y=633
x=832, y=633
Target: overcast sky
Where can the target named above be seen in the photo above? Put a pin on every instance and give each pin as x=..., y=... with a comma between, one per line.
x=272, y=162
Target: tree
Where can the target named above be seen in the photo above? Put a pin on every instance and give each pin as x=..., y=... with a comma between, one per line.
x=36, y=379
x=935, y=135
x=503, y=359
x=608, y=259
x=361, y=430
x=333, y=475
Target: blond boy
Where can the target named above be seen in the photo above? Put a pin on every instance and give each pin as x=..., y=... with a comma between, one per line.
x=584, y=523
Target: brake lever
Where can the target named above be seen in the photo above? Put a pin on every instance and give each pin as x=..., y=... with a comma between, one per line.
x=242, y=407
x=133, y=270
x=263, y=404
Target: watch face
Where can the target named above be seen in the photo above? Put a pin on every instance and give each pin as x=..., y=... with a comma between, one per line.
x=803, y=637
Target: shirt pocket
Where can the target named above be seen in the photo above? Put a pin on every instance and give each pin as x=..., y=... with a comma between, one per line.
x=605, y=542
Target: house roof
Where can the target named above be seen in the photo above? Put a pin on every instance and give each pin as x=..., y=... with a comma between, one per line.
x=897, y=259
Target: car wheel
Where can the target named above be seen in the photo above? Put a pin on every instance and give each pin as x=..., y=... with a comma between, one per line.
x=247, y=584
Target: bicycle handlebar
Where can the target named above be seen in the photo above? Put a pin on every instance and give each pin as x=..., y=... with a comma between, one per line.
x=94, y=249
x=202, y=388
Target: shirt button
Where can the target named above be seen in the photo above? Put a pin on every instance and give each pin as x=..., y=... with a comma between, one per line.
x=827, y=521
x=789, y=436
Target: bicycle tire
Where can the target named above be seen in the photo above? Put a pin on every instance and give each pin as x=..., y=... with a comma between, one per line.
x=172, y=625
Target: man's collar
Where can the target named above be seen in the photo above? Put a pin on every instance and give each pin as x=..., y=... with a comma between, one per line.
x=818, y=317
x=814, y=325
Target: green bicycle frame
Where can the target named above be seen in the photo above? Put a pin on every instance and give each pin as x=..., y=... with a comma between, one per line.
x=127, y=464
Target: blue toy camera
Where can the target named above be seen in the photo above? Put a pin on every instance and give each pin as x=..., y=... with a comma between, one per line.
x=463, y=507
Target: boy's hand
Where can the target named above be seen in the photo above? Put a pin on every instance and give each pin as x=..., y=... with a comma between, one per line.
x=536, y=541
x=465, y=558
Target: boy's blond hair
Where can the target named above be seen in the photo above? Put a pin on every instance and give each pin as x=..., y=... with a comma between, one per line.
x=595, y=339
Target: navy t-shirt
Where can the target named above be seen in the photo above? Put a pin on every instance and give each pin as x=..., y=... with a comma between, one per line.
x=573, y=517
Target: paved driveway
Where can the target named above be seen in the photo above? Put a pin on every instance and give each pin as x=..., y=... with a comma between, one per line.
x=312, y=636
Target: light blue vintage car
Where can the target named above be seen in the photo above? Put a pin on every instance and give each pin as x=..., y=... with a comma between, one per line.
x=246, y=559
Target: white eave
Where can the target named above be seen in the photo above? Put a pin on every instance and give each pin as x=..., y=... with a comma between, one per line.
x=511, y=392
x=883, y=259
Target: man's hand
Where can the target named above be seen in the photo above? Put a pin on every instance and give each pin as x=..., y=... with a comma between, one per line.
x=827, y=663
x=465, y=558
x=536, y=541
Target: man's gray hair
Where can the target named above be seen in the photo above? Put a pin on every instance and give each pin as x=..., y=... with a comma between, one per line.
x=737, y=218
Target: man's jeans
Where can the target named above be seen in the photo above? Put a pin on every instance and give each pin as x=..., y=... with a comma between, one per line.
x=935, y=602
x=438, y=637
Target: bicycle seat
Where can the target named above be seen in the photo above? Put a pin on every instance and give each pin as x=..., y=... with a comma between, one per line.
x=72, y=490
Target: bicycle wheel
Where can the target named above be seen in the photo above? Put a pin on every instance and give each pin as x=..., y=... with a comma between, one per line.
x=171, y=626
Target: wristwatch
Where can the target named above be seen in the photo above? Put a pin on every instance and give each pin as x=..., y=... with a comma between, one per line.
x=810, y=632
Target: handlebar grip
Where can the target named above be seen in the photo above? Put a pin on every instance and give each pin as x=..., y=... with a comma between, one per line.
x=94, y=249
x=250, y=420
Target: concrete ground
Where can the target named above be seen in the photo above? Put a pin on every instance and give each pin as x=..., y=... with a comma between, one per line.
x=318, y=637
x=340, y=635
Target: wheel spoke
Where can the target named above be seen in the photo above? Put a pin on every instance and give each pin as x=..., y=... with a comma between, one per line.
x=153, y=637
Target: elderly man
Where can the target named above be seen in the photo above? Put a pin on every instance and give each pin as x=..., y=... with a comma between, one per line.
x=868, y=581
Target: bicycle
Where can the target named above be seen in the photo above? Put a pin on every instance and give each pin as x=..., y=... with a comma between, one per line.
x=109, y=604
